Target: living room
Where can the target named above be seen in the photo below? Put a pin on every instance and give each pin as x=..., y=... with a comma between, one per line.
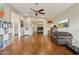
x=32, y=29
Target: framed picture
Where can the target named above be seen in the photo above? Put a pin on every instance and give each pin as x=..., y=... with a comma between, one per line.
x=27, y=28
x=2, y=10
x=22, y=23
x=63, y=23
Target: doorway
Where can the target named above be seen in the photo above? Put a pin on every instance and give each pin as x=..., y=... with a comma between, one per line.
x=40, y=30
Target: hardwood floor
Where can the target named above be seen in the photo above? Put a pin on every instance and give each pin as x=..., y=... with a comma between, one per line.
x=35, y=45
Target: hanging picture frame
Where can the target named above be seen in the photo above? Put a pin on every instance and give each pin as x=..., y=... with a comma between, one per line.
x=63, y=23
x=2, y=10
x=22, y=23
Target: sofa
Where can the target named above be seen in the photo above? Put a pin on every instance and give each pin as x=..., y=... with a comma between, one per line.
x=61, y=38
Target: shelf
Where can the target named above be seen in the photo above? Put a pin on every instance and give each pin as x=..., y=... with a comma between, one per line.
x=1, y=37
x=5, y=35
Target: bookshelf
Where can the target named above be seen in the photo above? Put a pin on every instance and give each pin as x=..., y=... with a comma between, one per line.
x=5, y=34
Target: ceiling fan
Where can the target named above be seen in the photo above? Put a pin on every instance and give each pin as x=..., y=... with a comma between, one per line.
x=40, y=11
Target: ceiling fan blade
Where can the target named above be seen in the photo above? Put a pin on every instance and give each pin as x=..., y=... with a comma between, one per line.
x=41, y=10
x=32, y=9
x=41, y=13
x=36, y=14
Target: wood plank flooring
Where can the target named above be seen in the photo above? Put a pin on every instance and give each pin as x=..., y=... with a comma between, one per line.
x=36, y=44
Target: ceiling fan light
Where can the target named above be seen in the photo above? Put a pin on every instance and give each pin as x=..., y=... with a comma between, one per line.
x=41, y=10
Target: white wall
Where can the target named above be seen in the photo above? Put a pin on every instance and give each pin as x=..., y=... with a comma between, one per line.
x=28, y=23
x=73, y=15
x=15, y=19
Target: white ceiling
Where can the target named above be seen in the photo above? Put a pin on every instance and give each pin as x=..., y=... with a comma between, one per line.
x=51, y=9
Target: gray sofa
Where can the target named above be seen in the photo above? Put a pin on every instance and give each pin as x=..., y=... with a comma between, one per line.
x=62, y=38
